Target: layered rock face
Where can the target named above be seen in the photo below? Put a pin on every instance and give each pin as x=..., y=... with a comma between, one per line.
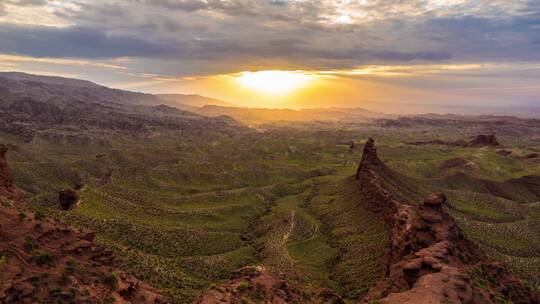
x=45, y=261
x=429, y=260
x=374, y=197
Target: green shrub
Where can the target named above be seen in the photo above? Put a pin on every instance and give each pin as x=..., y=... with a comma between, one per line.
x=243, y=286
x=44, y=258
x=29, y=244
x=3, y=260
x=111, y=280
x=39, y=215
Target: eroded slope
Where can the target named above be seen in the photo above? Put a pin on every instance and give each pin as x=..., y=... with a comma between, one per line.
x=45, y=261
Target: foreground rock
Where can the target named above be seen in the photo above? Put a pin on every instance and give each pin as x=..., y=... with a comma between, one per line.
x=428, y=259
x=257, y=284
x=69, y=199
x=45, y=261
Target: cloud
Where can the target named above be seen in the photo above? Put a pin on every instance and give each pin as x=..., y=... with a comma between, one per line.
x=197, y=36
x=404, y=56
x=185, y=5
x=77, y=42
x=85, y=42
x=28, y=2
x=14, y=59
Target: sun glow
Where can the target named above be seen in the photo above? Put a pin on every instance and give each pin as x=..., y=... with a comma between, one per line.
x=273, y=82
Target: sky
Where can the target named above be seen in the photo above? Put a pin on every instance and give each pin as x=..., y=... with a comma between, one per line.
x=380, y=54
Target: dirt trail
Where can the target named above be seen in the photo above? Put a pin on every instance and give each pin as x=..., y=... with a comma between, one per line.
x=291, y=227
x=287, y=235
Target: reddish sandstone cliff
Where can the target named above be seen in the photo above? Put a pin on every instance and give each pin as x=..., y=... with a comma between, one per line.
x=429, y=260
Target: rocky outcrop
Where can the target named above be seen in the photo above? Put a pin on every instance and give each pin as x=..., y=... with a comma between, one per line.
x=374, y=197
x=68, y=199
x=530, y=156
x=107, y=178
x=45, y=261
x=504, y=152
x=481, y=140
x=257, y=284
x=458, y=163
x=428, y=259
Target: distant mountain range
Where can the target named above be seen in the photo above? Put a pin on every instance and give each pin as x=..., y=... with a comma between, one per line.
x=59, y=90
x=264, y=115
x=58, y=108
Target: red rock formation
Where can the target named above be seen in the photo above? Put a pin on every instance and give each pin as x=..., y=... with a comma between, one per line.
x=255, y=284
x=6, y=182
x=429, y=260
x=45, y=261
x=374, y=197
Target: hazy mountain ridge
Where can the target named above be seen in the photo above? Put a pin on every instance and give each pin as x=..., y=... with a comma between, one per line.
x=266, y=115
x=192, y=100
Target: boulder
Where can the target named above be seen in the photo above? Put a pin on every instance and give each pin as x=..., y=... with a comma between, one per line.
x=69, y=199
x=435, y=199
x=430, y=216
x=504, y=152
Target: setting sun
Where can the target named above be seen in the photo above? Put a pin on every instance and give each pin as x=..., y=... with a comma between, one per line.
x=273, y=82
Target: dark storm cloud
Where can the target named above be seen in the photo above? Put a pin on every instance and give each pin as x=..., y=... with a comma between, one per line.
x=76, y=42
x=84, y=42
x=480, y=38
x=28, y=2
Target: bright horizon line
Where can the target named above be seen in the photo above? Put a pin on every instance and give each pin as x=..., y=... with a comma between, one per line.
x=435, y=108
